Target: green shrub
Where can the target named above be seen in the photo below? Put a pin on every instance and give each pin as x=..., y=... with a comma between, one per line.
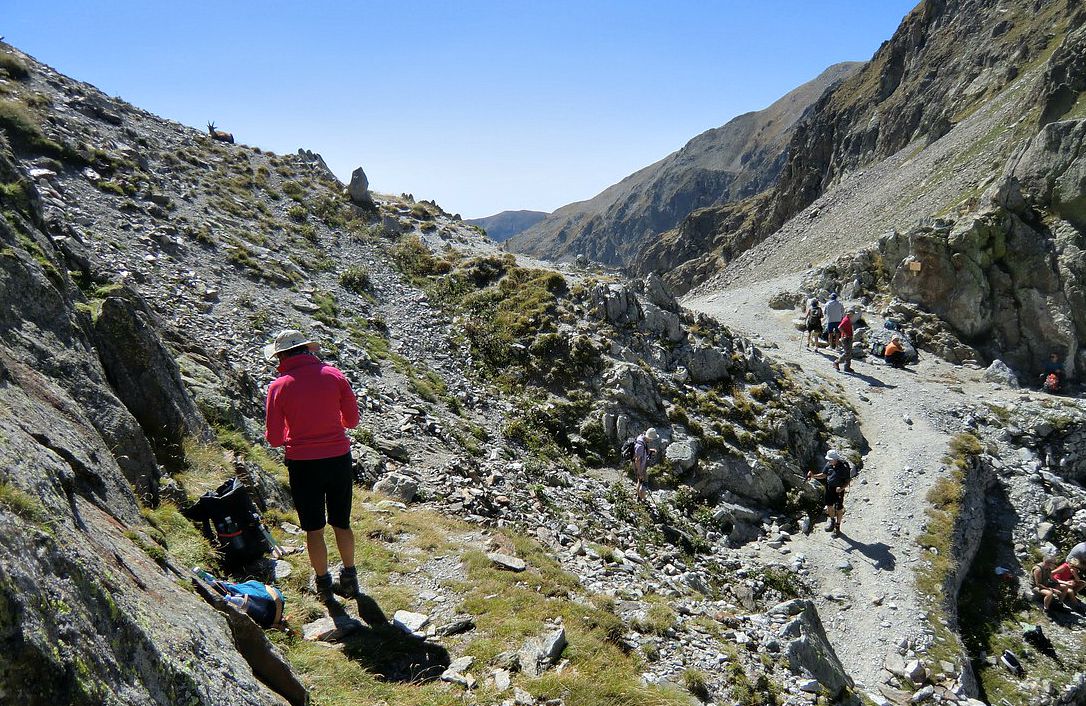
x=23, y=130
x=415, y=259
x=14, y=66
x=355, y=278
x=297, y=213
x=328, y=311
x=695, y=683
x=294, y=190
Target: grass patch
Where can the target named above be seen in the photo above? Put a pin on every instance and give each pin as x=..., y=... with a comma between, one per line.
x=945, y=499
x=659, y=618
x=695, y=683
x=14, y=66
x=180, y=537
x=22, y=503
x=23, y=129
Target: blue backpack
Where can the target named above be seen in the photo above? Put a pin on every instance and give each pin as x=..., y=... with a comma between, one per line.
x=260, y=601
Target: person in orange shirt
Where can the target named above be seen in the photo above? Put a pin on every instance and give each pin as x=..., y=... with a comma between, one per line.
x=894, y=353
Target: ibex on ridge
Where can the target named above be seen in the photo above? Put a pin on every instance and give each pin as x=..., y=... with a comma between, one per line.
x=220, y=135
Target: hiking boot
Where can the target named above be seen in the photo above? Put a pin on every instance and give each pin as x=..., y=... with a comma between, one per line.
x=837, y=530
x=348, y=582
x=836, y=365
x=830, y=525
x=323, y=586
x=848, y=369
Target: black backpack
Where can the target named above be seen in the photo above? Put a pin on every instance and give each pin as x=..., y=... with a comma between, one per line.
x=232, y=523
x=626, y=453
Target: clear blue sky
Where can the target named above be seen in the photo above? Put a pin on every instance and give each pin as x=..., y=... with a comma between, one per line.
x=481, y=105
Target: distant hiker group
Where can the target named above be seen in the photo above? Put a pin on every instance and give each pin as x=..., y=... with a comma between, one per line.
x=836, y=325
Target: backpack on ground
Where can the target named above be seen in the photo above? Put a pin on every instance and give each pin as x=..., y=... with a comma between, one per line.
x=232, y=523
x=1052, y=383
x=260, y=601
x=626, y=453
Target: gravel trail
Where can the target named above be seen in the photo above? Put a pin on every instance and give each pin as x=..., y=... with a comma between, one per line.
x=865, y=578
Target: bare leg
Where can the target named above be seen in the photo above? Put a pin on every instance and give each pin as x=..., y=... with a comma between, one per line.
x=345, y=544
x=318, y=551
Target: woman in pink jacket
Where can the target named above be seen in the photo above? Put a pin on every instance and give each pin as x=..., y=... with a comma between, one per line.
x=309, y=406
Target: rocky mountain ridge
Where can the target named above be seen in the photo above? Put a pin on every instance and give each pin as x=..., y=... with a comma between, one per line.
x=504, y=225
x=721, y=165
x=951, y=97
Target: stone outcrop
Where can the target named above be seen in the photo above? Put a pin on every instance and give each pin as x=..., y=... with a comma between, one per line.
x=359, y=189
x=809, y=651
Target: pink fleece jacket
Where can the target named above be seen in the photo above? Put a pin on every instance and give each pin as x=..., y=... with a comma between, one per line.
x=309, y=405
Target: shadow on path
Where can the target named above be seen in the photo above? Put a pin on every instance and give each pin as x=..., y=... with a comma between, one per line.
x=383, y=649
x=878, y=554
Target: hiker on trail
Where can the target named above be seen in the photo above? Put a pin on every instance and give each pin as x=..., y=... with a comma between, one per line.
x=644, y=456
x=844, y=329
x=895, y=352
x=835, y=475
x=812, y=323
x=834, y=311
x=309, y=406
x=1052, y=377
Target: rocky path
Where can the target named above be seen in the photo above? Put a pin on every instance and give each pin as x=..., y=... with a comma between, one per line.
x=865, y=578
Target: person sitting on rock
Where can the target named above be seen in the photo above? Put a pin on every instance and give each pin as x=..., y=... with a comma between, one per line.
x=1062, y=581
x=308, y=408
x=1043, y=584
x=1052, y=377
x=813, y=324
x=895, y=352
x=834, y=311
x=644, y=456
x=836, y=475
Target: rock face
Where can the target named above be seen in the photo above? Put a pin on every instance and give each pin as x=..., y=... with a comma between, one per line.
x=947, y=59
x=145, y=375
x=724, y=164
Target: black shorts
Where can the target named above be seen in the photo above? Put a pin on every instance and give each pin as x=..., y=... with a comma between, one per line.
x=833, y=498
x=832, y=326
x=319, y=483
x=814, y=327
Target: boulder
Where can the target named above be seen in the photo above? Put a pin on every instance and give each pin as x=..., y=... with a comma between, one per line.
x=683, y=453
x=755, y=481
x=145, y=375
x=809, y=651
x=359, y=189
x=539, y=653
x=509, y=563
x=633, y=387
x=661, y=323
x=397, y=486
x=783, y=301
x=706, y=365
x=657, y=293
x=1000, y=373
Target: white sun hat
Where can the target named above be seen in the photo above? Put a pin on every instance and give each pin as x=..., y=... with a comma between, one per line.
x=287, y=339
x=832, y=455
x=651, y=434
